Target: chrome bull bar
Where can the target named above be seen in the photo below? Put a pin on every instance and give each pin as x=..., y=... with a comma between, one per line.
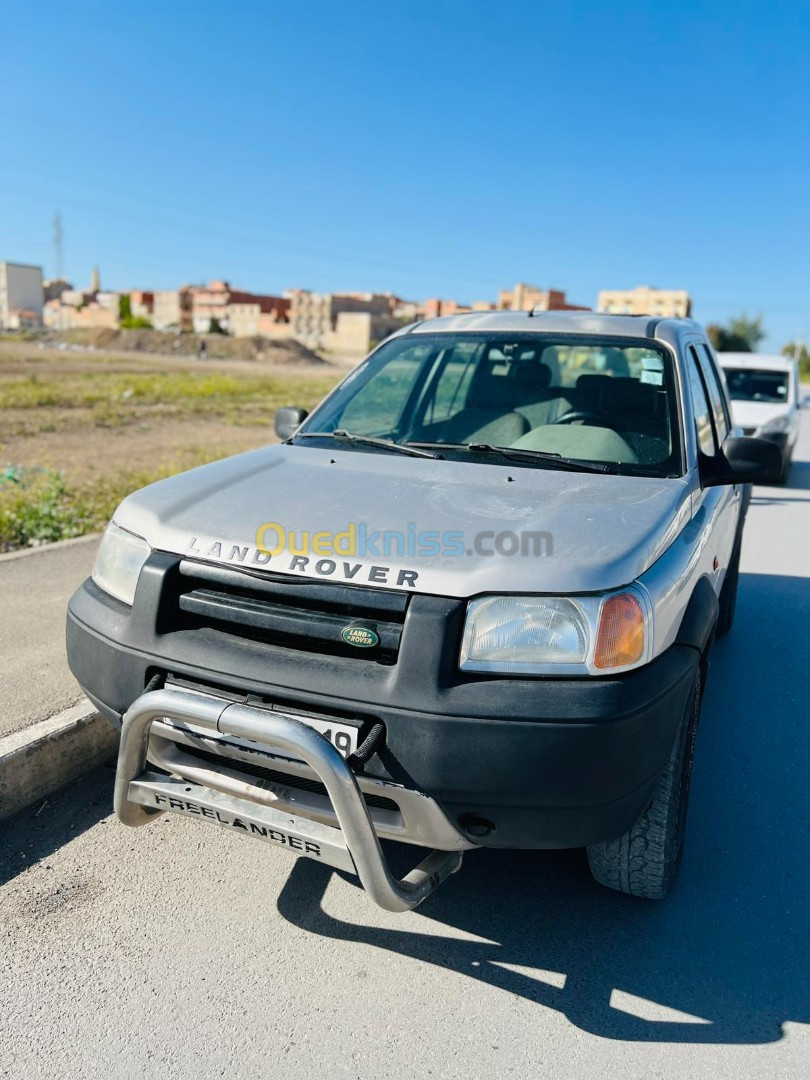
x=140, y=795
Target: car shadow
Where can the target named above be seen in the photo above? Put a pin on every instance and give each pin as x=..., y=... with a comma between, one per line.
x=37, y=831
x=728, y=951
x=799, y=475
x=798, y=480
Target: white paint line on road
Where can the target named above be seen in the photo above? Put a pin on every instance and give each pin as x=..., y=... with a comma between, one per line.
x=42, y=758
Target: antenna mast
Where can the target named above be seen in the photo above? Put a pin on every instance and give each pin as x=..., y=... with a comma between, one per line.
x=58, y=246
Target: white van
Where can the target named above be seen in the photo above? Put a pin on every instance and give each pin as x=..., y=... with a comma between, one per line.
x=764, y=392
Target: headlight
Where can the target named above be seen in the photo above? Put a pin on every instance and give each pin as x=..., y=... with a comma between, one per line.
x=775, y=426
x=557, y=635
x=119, y=563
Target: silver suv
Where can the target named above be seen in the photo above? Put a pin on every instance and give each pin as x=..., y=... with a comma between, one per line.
x=468, y=602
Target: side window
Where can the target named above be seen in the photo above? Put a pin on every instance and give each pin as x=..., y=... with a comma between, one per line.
x=721, y=420
x=700, y=405
x=450, y=392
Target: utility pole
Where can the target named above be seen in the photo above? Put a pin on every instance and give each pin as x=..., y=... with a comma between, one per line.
x=58, y=246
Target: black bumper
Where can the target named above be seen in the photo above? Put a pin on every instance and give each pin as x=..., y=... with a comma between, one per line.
x=548, y=762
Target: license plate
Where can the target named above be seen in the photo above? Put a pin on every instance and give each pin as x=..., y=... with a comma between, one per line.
x=342, y=736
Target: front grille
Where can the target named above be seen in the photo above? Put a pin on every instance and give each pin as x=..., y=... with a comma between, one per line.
x=293, y=780
x=301, y=614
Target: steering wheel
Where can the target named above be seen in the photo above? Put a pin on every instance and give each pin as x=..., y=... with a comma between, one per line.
x=574, y=415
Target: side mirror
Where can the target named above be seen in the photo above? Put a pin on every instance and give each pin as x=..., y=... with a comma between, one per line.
x=742, y=460
x=288, y=420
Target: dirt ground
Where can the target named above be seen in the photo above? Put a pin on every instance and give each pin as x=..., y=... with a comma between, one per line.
x=89, y=453
x=85, y=444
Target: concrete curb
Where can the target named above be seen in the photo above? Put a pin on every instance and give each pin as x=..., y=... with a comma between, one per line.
x=41, y=758
x=22, y=553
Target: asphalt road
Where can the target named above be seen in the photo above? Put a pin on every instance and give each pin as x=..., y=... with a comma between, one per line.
x=35, y=586
x=176, y=950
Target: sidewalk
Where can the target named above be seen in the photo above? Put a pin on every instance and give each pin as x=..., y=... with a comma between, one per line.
x=35, y=586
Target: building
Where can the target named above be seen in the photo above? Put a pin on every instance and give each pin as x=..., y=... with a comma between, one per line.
x=20, y=291
x=20, y=319
x=646, y=300
x=262, y=316
x=172, y=309
x=357, y=332
x=214, y=302
x=434, y=308
x=142, y=304
x=532, y=298
x=54, y=287
x=209, y=305
x=405, y=310
x=314, y=315
x=75, y=309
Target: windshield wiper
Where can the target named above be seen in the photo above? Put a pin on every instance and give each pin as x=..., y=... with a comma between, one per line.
x=554, y=460
x=367, y=440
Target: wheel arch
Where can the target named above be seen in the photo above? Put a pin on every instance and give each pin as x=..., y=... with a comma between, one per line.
x=700, y=618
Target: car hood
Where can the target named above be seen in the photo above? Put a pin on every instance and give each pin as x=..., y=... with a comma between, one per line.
x=753, y=414
x=596, y=531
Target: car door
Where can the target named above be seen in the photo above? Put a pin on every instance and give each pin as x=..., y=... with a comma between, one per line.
x=713, y=422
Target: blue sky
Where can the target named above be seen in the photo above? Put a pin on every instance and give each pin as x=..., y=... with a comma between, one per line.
x=432, y=149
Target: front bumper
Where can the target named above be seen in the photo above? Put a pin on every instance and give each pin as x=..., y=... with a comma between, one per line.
x=516, y=763
x=351, y=846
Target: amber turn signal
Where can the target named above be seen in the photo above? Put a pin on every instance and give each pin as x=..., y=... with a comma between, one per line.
x=620, y=638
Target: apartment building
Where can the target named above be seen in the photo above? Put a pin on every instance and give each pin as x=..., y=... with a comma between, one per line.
x=53, y=288
x=209, y=305
x=434, y=308
x=314, y=315
x=646, y=300
x=263, y=316
x=142, y=304
x=524, y=297
x=216, y=301
x=20, y=291
x=172, y=308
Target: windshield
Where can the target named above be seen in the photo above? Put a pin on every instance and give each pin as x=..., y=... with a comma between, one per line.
x=748, y=384
x=590, y=399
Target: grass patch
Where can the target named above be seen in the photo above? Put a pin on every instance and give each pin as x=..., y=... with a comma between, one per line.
x=54, y=401
x=39, y=506
x=91, y=399
x=186, y=389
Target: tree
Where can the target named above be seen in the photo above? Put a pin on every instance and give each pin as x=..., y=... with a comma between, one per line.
x=748, y=329
x=215, y=326
x=128, y=321
x=799, y=353
x=742, y=334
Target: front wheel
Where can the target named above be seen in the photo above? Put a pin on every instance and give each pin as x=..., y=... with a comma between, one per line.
x=786, y=463
x=645, y=861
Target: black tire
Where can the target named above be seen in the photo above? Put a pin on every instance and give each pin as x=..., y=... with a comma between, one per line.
x=783, y=475
x=646, y=860
x=728, y=595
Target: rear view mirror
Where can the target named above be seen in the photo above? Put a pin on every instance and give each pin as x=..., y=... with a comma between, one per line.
x=288, y=420
x=742, y=460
